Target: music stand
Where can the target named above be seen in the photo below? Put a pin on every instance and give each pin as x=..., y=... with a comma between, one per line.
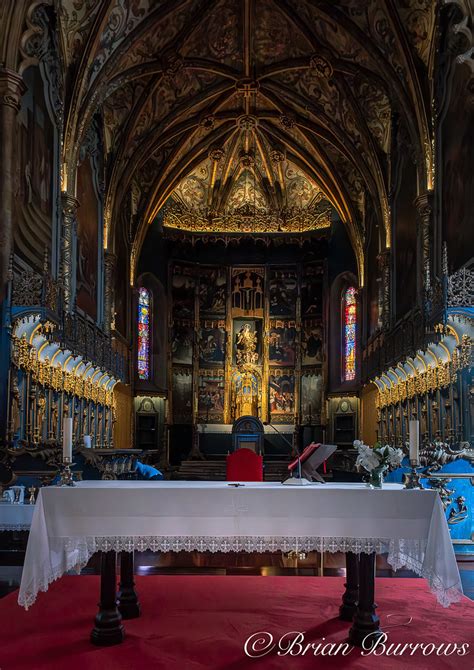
x=311, y=458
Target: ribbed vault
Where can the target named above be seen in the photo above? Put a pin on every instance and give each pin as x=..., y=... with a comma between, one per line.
x=312, y=83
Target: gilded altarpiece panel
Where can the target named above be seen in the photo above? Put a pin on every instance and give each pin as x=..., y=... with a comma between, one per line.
x=283, y=292
x=182, y=335
x=183, y=285
x=282, y=343
x=312, y=342
x=182, y=389
x=212, y=291
x=212, y=342
x=240, y=345
x=312, y=285
x=281, y=395
x=211, y=396
x=312, y=396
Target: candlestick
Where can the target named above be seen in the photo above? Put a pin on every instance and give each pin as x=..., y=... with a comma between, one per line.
x=414, y=436
x=412, y=478
x=66, y=477
x=67, y=440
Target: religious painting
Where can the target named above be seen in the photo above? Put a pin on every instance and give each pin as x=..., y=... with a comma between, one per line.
x=281, y=392
x=212, y=291
x=182, y=336
x=282, y=343
x=87, y=238
x=247, y=292
x=37, y=165
x=247, y=341
x=182, y=386
x=211, y=396
x=312, y=290
x=212, y=342
x=312, y=343
x=283, y=292
x=311, y=396
x=183, y=285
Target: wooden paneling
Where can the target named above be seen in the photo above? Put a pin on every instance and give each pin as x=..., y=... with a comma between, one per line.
x=123, y=433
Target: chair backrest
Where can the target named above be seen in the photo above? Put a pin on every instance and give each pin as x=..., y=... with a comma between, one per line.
x=244, y=465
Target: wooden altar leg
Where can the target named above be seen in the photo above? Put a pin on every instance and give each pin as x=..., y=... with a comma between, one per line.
x=351, y=594
x=366, y=622
x=128, y=604
x=108, y=627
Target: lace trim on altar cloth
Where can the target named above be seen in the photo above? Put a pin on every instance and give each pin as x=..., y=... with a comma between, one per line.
x=402, y=553
x=4, y=527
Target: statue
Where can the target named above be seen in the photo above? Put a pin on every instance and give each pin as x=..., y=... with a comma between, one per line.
x=53, y=433
x=246, y=341
x=40, y=415
x=84, y=422
x=15, y=409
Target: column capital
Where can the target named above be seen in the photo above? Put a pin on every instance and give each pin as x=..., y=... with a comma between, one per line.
x=110, y=259
x=424, y=204
x=69, y=204
x=12, y=87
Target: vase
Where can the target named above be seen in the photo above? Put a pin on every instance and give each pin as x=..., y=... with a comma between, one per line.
x=376, y=477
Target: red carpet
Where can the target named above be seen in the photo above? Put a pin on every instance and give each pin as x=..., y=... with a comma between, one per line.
x=197, y=622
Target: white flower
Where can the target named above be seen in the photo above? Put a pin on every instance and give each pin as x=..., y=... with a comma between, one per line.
x=395, y=457
x=367, y=458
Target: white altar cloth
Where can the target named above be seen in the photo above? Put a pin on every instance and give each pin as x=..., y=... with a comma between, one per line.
x=71, y=523
x=15, y=517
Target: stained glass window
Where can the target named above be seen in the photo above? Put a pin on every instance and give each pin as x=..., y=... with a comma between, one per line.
x=349, y=329
x=143, y=355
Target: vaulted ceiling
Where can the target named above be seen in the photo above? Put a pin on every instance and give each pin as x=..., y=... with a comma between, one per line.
x=195, y=91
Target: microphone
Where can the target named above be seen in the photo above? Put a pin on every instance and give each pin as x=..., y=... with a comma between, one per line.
x=291, y=481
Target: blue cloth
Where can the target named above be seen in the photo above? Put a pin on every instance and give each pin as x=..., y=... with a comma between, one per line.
x=148, y=471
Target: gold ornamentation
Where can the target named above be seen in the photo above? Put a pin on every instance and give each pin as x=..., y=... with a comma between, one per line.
x=25, y=357
x=249, y=220
x=246, y=346
x=433, y=378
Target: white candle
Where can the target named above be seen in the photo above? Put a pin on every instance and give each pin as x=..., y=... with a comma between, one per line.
x=67, y=440
x=87, y=441
x=414, y=439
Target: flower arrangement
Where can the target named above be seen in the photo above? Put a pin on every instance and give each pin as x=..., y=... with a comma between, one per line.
x=377, y=460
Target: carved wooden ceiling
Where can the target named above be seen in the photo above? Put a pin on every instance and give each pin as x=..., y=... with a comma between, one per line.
x=220, y=95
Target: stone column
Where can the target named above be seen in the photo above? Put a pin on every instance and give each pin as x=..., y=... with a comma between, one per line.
x=68, y=264
x=11, y=90
x=424, y=208
x=110, y=263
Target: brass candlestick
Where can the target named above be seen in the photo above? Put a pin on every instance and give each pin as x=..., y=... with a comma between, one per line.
x=67, y=476
x=32, y=499
x=412, y=479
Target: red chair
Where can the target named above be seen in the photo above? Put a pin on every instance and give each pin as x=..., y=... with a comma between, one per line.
x=244, y=465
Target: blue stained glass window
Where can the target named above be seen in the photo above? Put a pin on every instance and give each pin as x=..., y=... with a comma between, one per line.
x=143, y=355
x=350, y=323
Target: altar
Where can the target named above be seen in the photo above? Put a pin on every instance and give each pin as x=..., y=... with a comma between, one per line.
x=70, y=524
